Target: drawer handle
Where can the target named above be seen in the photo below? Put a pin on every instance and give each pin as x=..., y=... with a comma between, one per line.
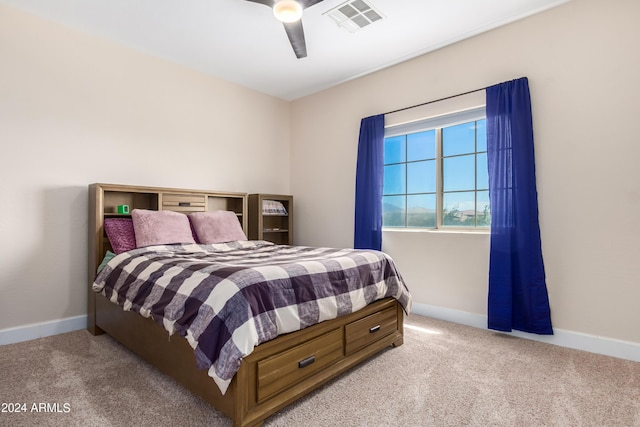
x=374, y=329
x=184, y=203
x=306, y=362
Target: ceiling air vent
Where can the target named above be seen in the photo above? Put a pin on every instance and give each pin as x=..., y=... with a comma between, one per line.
x=354, y=15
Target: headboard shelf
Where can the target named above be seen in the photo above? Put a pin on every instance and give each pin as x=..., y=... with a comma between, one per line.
x=104, y=200
x=112, y=199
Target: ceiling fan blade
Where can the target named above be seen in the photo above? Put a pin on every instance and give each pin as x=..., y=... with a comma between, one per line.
x=296, y=37
x=306, y=3
x=294, y=30
x=269, y=3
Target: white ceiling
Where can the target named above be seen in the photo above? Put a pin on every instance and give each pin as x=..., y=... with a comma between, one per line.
x=241, y=41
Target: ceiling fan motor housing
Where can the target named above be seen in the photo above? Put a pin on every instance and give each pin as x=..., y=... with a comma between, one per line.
x=287, y=10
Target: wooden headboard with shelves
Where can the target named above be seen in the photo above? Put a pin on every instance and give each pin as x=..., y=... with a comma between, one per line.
x=104, y=200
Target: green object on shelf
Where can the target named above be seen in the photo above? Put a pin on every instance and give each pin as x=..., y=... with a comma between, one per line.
x=123, y=209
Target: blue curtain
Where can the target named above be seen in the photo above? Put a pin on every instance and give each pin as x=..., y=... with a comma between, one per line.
x=518, y=296
x=369, y=181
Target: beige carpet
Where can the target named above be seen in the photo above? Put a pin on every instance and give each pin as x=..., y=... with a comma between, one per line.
x=444, y=375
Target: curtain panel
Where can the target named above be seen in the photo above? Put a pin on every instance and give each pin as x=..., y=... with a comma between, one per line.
x=369, y=182
x=518, y=296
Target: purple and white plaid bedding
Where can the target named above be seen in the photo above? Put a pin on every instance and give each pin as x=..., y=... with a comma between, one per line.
x=228, y=298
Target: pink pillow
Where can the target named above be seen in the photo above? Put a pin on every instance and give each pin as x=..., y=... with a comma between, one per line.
x=120, y=234
x=160, y=228
x=217, y=227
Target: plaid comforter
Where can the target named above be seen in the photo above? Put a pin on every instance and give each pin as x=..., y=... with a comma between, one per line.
x=228, y=298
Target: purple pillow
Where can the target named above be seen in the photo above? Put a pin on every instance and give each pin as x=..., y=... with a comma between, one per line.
x=160, y=228
x=120, y=233
x=217, y=227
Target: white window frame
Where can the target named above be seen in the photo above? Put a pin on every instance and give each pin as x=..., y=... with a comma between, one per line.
x=437, y=123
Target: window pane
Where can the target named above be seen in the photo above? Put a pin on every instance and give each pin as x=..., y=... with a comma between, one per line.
x=394, y=149
x=459, y=173
x=454, y=157
x=482, y=171
x=393, y=211
x=484, y=211
x=395, y=179
x=421, y=210
x=421, y=145
x=459, y=209
x=481, y=129
x=459, y=139
x=421, y=177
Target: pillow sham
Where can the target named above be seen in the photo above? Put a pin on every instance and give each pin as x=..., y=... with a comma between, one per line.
x=217, y=227
x=120, y=234
x=160, y=228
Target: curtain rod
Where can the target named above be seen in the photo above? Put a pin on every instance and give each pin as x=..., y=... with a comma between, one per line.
x=435, y=100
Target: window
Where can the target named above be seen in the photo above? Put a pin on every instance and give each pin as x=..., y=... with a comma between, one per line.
x=435, y=173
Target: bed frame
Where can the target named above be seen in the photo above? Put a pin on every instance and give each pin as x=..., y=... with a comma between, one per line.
x=277, y=372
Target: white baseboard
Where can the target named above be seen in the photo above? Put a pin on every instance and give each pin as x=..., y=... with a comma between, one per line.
x=601, y=345
x=44, y=329
x=577, y=340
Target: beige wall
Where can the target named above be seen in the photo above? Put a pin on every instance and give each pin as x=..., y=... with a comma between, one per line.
x=583, y=62
x=74, y=110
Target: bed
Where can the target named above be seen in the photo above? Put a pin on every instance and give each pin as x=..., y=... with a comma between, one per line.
x=266, y=358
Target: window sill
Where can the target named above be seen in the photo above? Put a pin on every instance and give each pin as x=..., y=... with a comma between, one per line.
x=436, y=230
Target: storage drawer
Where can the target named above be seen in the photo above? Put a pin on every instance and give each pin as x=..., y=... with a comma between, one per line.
x=183, y=202
x=363, y=332
x=285, y=369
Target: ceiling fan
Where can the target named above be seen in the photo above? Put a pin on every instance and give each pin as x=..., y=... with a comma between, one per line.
x=289, y=12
